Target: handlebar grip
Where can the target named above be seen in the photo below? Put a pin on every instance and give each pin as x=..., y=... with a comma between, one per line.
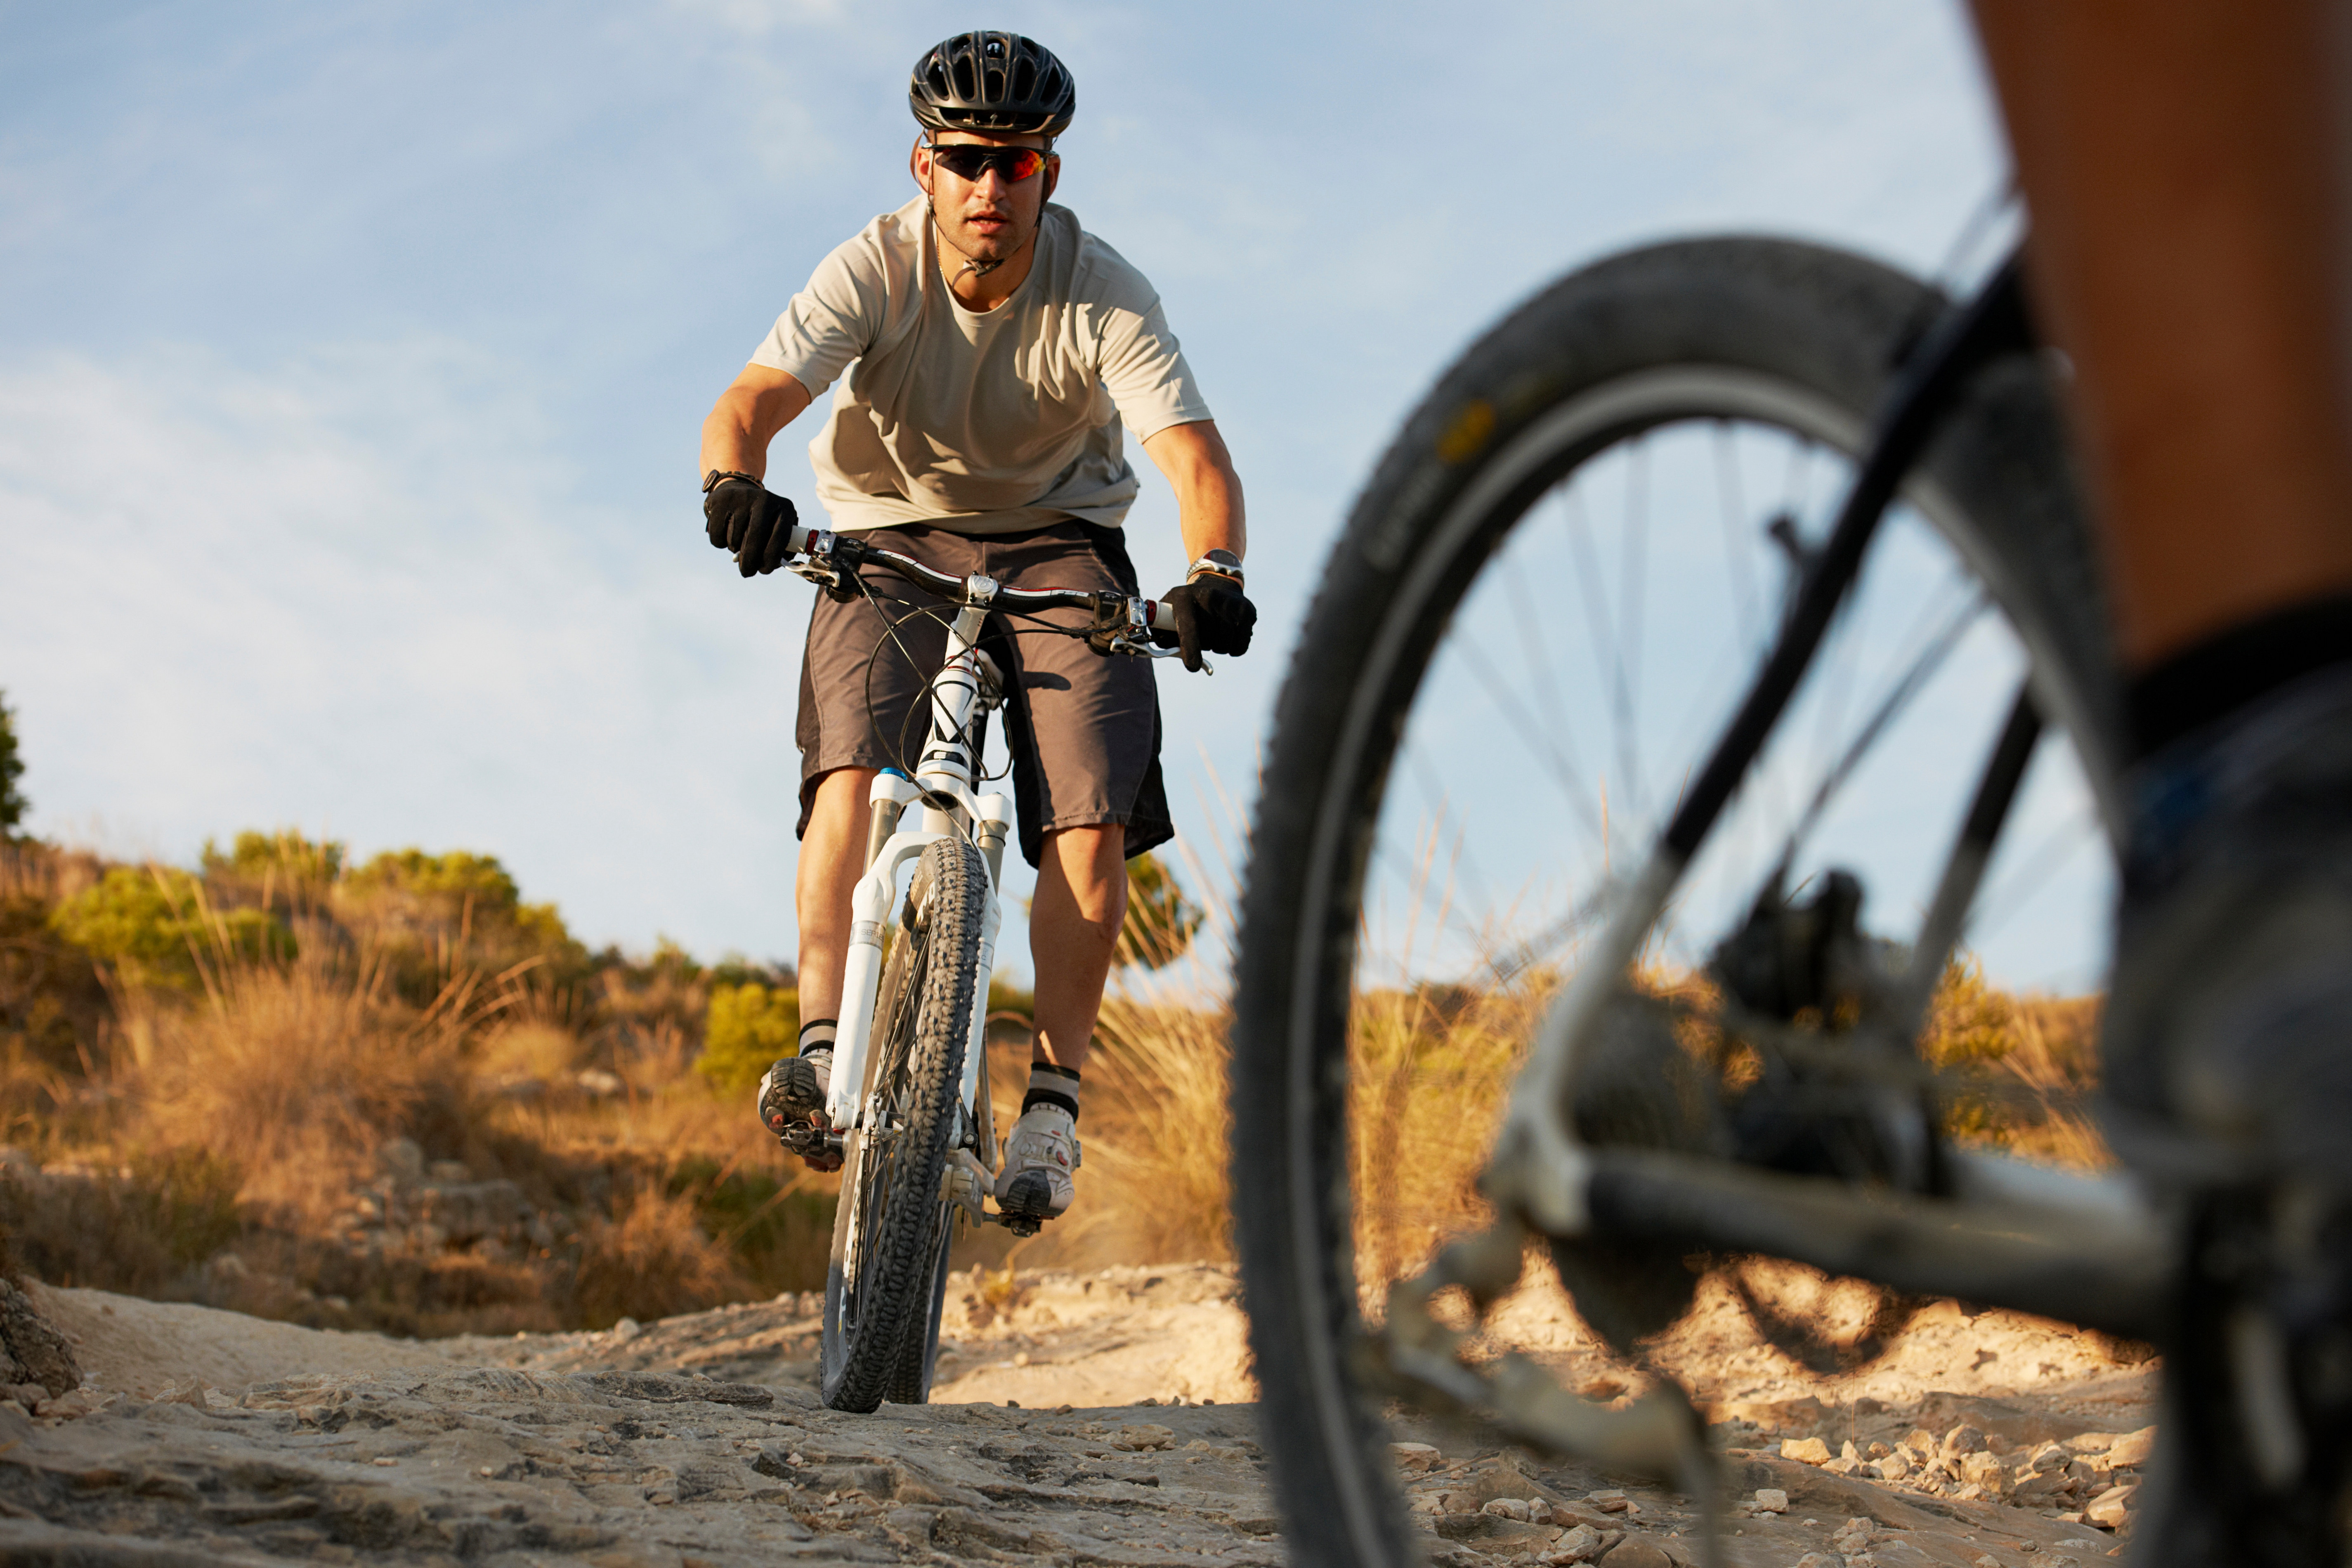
x=1157, y=616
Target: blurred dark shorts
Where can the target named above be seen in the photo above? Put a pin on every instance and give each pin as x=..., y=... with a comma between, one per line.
x=1083, y=729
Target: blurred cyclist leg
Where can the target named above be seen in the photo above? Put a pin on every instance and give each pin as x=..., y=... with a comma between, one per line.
x=2186, y=168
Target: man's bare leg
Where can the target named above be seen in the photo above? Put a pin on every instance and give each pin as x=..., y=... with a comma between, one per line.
x=2182, y=165
x=1074, y=925
x=2179, y=163
x=832, y=857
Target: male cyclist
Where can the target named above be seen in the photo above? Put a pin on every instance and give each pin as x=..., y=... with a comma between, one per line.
x=995, y=355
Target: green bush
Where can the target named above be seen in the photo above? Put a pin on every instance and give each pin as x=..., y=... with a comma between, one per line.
x=747, y=1028
x=154, y=928
x=433, y=912
x=284, y=857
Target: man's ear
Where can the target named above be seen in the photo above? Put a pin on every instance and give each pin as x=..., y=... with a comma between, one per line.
x=1053, y=175
x=914, y=162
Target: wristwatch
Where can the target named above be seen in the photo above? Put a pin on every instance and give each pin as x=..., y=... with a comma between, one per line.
x=716, y=476
x=1223, y=562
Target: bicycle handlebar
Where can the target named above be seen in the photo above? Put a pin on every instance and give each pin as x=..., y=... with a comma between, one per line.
x=848, y=550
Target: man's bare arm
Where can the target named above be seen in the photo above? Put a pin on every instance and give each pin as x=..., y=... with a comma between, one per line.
x=746, y=418
x=1208, y=491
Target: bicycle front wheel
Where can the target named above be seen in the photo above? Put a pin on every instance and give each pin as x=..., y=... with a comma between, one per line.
x=890, y=1231
x=1540, y=618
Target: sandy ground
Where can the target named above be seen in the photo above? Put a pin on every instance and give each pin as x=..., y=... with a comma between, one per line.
x=1098, y=1418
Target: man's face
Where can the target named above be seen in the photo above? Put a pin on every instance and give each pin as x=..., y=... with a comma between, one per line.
x=988, y=218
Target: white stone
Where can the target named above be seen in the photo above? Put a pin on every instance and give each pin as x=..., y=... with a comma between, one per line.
x=1771, y=1500
x=1506, y=1507
x=1576, y=1546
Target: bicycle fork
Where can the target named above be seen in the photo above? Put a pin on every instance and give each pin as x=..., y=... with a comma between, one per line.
x=942, y=794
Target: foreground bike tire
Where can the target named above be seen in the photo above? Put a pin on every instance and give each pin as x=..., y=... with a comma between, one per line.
x=889, y=1231
x=1752, y=328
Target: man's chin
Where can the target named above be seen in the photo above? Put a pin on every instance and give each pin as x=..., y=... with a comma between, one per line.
x=1001, y=246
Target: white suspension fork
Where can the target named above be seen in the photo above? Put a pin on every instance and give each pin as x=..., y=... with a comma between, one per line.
x=995, y=816
x=942, y=779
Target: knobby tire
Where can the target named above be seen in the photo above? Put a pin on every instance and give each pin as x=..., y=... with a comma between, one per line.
x=882, y=1290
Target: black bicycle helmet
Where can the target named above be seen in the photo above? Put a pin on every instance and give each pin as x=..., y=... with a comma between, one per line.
x=998, y=83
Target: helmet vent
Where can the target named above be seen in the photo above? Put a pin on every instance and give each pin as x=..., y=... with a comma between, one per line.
x=992, y=81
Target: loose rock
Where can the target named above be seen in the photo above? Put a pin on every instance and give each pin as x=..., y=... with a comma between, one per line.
x=1771, y=1500
x=1636, y=1552
x=1578, y=1544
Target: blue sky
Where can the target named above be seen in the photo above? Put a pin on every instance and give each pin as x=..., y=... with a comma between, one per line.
x=351, y=358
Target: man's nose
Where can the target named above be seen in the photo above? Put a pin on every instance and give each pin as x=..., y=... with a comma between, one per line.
x=992, y=185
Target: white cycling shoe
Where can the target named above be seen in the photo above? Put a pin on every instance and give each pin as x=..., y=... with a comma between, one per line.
x=1039, y=1156
x=792, y=1098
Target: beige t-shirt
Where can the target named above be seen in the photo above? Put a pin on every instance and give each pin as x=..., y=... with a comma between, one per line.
x=982, y=423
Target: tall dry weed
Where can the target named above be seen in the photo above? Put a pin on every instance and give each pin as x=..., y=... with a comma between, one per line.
x=650, y=1259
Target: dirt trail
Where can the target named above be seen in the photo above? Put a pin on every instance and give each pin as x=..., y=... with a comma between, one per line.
x=220, y=1439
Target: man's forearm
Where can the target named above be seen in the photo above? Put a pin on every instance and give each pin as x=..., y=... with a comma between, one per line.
x=1211, y=516
x=728, y=446
x=747, y=417
x=1208, y=511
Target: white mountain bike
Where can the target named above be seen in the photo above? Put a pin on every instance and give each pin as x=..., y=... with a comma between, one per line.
x=908, y=1109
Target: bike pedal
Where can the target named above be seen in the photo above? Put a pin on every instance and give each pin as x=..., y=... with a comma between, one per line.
x=811, y=1142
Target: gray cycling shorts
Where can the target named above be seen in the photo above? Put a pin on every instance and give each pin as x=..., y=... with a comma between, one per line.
x=1082, y=729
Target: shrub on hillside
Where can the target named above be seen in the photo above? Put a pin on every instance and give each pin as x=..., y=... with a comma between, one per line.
x=155, y=927
x=748, y=1027
x=1160, y=920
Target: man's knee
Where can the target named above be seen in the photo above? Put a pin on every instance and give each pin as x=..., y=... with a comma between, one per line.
x=1093, y=861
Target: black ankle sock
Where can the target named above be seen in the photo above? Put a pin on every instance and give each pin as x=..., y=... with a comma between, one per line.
x=1050, y=1085
x=2222, y=674
x=824, y=1030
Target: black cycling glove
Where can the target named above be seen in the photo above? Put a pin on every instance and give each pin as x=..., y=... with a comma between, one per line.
x=742, y=515
x=1213, y=616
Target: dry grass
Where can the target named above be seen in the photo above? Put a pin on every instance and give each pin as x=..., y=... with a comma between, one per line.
x=1430, y=1067
x=229, y=1128
x=223, y=1141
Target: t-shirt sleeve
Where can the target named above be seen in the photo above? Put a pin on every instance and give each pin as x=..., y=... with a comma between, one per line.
x=1144, y=370
x=829, y=324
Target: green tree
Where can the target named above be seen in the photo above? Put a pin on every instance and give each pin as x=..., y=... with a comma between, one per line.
x=13, y=804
